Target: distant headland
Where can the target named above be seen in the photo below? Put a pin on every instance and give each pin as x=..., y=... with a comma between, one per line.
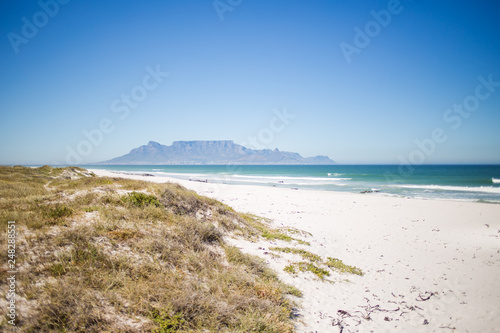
x=211, y=152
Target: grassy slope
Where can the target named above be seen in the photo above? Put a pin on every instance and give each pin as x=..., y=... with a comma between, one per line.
x=105, y=254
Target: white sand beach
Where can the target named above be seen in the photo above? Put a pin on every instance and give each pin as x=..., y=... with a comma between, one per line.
x=430, y=266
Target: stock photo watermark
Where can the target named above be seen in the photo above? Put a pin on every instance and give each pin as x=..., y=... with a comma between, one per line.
x=454, y=117
x=223, y=6
x=373, y=28
x=122, y=107
x=280, y=120
x=277, y=124
x=31, y=27
x=12, y=272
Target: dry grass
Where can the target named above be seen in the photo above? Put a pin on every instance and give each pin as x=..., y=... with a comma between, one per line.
x=108, y=255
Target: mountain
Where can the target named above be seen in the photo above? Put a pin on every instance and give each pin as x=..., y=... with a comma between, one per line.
x=210, y=152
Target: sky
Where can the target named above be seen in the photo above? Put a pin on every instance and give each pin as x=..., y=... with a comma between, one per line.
x=364, y=82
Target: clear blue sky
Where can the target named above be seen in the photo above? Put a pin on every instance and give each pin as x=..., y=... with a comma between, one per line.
x=229, y=67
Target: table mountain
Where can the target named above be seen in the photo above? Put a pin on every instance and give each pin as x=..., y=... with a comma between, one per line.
x=210, y=152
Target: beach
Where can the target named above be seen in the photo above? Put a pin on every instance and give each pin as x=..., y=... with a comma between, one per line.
x=429, y=265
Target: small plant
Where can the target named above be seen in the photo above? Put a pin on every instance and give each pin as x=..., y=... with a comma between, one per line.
x=338, y=265
x=307, y=267
x=306, y=255
x=312, y=259
x=209, y=233
x=140, y=199
x=291, y=290
x=298, y=232
x=276, y=235
x=319, y=272
x=166, y=323
x=59, y=212
x=57, y=269
x=290, y=269
x=56, y=213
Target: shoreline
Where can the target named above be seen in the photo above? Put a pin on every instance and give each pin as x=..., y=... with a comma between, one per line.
x=430, y=265
x=373, y=192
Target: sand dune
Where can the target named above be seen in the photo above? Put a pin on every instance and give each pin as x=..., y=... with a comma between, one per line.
x=430, y=266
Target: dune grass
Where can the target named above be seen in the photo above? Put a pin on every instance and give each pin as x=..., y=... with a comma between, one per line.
x=115, y=255
x=306, y=255
x=315, y=264
x=339, y=266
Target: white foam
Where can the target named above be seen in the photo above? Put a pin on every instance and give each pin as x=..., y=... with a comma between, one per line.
x=484, y=189
x=278, y=178
x=495, y=180
x=334, y=174
x=256, y=179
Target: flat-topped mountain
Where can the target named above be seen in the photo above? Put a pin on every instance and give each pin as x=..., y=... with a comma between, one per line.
x=210, y=152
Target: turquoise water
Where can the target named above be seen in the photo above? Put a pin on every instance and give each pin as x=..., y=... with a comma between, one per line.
x=455, y=182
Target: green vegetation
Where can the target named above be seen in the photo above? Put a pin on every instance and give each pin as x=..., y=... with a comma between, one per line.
x=167, y=323
x=117, y=255
x=291, y=269
x=269, y=233
x=306, y=255
x=313, y=263
x=140, y=199
x=339, y=266
x=319, y=272
x=58, y=212
x=296, y=267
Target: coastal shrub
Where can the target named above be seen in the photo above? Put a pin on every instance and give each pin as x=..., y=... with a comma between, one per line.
x=59, y=211
x=167, y=323
x=140, y=199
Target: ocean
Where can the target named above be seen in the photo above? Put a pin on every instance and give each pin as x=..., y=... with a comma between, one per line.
x=451, y=182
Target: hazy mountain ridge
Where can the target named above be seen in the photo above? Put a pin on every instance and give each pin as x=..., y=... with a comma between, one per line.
x=210, y=152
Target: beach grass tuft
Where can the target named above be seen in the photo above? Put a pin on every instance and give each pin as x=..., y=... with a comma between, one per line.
x=306, y=255
x=303, y=266
x=140, y=199
x=264, y=230
x=339, y=266
x=315, y=264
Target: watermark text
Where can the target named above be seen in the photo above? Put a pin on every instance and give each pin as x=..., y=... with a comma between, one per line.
x=11, y=279
x=40, y=19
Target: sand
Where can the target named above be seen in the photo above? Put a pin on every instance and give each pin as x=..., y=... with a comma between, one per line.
x=430, y=265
